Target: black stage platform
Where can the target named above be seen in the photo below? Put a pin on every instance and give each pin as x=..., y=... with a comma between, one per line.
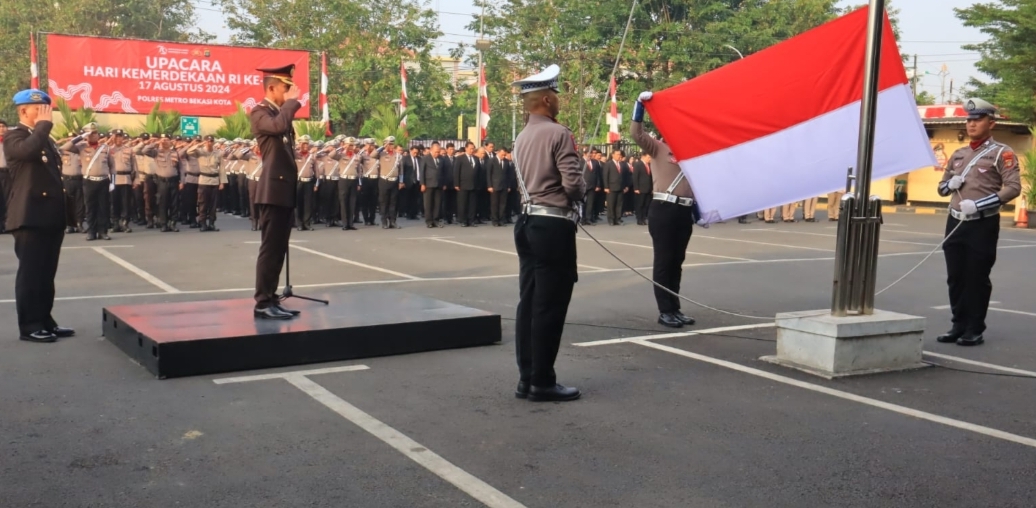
x=192, y=338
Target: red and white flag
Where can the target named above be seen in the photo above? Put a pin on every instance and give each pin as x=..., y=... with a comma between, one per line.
x=34, y=68
x=483, y=112
x=782, y=125
x=614, y=119
x=325, y=115
x=402, y=96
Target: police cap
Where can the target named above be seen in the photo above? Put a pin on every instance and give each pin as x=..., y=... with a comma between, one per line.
x=31, y=96
x=548, y=79
x=978, y=108
x=282, y=73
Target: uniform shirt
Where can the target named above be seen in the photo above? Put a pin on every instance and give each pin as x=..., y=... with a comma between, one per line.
x=183, y=166
x=145, y=164
x=95, y=160
x=125, y=165
x=250, y=165
x=320, y=165
x=70, y=164
x=546, y=158
x=210, y=165
x=230, y=158
x=369, y=161
x=3, y=160
x=663, y=164
x=389, y=164
x=993, y=180
x=349, y=164
x=193, y=168
x=167, y=162
x=304, y=163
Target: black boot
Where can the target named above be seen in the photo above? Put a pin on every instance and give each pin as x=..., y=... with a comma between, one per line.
x=669, y=320
x=151, y=223
x=104, y=235
x=212, y=225
x=117, y=227
x=950, y=336
x=126, y=226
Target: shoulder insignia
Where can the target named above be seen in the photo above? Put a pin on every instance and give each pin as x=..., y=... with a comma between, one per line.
x=1010, y=161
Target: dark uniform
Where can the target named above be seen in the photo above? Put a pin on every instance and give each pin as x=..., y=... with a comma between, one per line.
x=671, y=218
x=5, y=178
x=275, y=193
x=592, y=176
x=642, y=188
x=979, y=178
x=550, y=179
x=433, y=179
x=615, y=183
x=499, y=187
x=36, y=220
x=465, y=180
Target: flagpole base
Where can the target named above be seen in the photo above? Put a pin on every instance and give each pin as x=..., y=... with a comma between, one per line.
x=828, y=346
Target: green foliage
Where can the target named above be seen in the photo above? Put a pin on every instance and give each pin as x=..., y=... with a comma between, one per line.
x=1028, y=174
x=315, y=130
x=161, y=122
x=384, y=122
x=73, y=121
x=236, y=125
x=925, y=99
x=1008, y=57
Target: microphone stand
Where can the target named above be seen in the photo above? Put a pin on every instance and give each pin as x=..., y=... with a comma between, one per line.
x=288, y=293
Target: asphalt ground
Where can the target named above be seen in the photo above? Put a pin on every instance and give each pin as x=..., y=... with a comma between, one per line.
x=696, y=420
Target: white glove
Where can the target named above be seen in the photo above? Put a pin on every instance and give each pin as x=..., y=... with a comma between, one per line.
x=967, y=207
x=955, y=183
x=645, y=96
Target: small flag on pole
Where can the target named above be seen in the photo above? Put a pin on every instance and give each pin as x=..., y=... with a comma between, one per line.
x=797, y=132
x=402, y=96
x=614, y=119
x=325, y=115
x=34, y=68
x=484, y=108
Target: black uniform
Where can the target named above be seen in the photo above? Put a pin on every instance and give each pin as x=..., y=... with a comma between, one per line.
x=642, y=187
x=592, y=175
x=614, y=177
x=36, y=220
x=465, y=176
x=433, y=177
x=496, y=173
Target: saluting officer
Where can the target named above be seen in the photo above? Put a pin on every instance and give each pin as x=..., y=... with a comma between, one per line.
x=96, y=162
x=276, y=191
x=253, y=181
x=305, y=188
x=671, y=219
x=390, y=163
x=550, y=179
x=369, y=181
x=35, y=215
x=125, y=167
x=979, y=178
x=349, y=167
x=167, y=178
x=211, y=178
x=72, y=180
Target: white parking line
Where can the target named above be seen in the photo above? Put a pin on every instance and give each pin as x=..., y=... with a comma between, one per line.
x=499, y=251
x=134, y=269
x=763, y=243
x=992, y=366
x=1008, y=311
x=835, y=236
x=945, y=307
x=92, y=247
x=433, y=462
x=355, y=263
x=255, y=242
x=650, y=247
x=923, y=415
x=706, y=331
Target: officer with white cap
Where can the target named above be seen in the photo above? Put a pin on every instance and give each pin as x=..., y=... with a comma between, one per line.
x=979, y=179
x=550, y=179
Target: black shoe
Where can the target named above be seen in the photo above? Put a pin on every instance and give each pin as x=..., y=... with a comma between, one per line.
x=970, y=339
x=62, y=332
x=522, y=392
x=742, y=220
x=104, y=236
x=465, y=225
x=440, y=224
x=950, y=336
x=289, y=311
x=271, y=312
x=117, y=228
x=687, y=320
x=556, y=393
x=350, y=228
x=42, y=336
x=430, y=226
x=194, y=225
x=126, y=227
x=669, y=320
x=150, y=224
x=167, y=229
x=811, y=220
x=69, y=230
x=392, y=225
x=256, y=228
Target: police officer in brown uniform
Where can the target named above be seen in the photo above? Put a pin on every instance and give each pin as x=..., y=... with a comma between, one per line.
x=35, y=215
x=167, y=178
x=550, y=179
x=979, y=178
x=96, y=162
x=276, y=190
x=208, y=159
x=125, y=167
x=349, y=166
x=671, y=218
x=390, y=163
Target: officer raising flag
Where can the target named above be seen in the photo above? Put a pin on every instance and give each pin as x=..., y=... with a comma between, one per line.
x=979, y=178
x=550, y=179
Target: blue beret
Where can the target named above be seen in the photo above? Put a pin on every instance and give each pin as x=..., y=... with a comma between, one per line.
x=31, y=96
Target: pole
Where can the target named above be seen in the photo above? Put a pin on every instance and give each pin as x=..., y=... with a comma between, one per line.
x=869, y=104
x=514, y=117
x=615, y=67
x=478, y=99
x=913, y=82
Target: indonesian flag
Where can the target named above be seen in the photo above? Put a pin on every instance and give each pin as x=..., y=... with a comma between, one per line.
x=325, y=116
x=402, y=96
x=783, y=124
x=483, y=113
x=614, y=119
x=34, y=69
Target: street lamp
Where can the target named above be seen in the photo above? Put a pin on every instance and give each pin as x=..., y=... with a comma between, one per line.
x=399, y=106
x=735, y=50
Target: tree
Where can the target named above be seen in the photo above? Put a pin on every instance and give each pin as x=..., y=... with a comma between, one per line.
x=171, y=20
x=925, y=99
x=1008, y=57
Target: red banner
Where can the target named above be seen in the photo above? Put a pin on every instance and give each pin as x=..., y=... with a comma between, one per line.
x=130, y=76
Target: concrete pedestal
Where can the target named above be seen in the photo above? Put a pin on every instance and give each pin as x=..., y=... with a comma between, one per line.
x=830, y=347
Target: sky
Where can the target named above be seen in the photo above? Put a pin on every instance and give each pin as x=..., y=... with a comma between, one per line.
x=929, y=29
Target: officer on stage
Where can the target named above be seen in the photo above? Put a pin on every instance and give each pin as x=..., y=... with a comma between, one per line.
x=550, y=179
x=671, y=218
x=35, y=215
x=276, y=189
x=979, y=179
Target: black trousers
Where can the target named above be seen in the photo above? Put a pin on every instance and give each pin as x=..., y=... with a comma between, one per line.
x=432, y=203
x=513, y=204
x=970, y=256
x=5, y=185
x=253, y=209
x=275, y=222
x=207, y=202
x=670, y=226
x=589, y=210
x=304, y=203
x=348, y=192
x=546, y=274
x=482, y=204
x=599, y=205
x=615, y=201
x=242, y=194
x=189, y=202
x=167, y=190
x=449, y=204
x=642, y=204
x=122, y=202
x=98, y=204
x=466, y=206
x=38, y=251
x=498, y=205
x=328, y=200
x=416, y=200
x=74, y=199
x=369, y=199
x=231, y=203
x=388, y=200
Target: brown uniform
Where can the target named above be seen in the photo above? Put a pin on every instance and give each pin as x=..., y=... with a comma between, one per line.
x=211, y=175
x=96, y=163
x=125, y=167
x=390, y=167
x=167, y=181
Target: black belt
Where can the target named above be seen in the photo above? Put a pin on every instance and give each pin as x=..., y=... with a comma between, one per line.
x=71, y=177
x=193, y=174
x=208, y=175
x=167, y=178
x=123, y=173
